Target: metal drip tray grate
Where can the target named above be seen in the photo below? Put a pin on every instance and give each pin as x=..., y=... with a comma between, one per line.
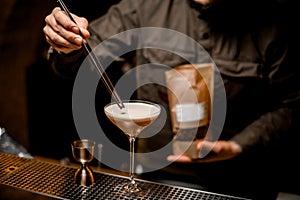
x=56, y=181
x=9, y=163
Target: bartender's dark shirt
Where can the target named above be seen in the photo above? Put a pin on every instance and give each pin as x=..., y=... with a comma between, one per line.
x=251, y=52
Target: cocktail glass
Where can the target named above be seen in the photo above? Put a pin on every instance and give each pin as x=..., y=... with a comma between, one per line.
x=132, y=119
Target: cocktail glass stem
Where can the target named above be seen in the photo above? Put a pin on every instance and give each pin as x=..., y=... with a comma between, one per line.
x=131, y=173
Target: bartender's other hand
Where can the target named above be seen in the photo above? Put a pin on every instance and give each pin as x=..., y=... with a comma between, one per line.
x=219, y=150
x=62, y=33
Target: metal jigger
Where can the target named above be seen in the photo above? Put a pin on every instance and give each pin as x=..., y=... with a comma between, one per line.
x=83, y=152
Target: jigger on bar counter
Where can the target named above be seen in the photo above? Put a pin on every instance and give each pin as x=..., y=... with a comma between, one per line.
x=83, y=152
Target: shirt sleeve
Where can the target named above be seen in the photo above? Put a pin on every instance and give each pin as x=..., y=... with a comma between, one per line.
x=280, y=124
x=65, y=65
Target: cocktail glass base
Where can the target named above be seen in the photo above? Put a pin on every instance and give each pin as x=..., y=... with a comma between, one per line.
x=132, y=190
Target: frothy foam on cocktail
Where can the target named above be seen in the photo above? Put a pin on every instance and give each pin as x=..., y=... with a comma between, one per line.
x=133, y=111
x=134, y=117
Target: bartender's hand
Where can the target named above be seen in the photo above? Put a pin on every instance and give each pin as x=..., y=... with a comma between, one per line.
x=220, y=150
x=62, y=33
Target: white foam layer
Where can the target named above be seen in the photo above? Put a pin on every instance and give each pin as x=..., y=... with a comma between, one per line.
x=133, y=111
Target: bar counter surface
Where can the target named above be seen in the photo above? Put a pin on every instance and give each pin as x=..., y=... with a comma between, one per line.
x=26, y=178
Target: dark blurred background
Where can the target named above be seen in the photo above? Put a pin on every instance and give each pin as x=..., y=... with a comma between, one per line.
x=35, y=104
x=20, y=41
